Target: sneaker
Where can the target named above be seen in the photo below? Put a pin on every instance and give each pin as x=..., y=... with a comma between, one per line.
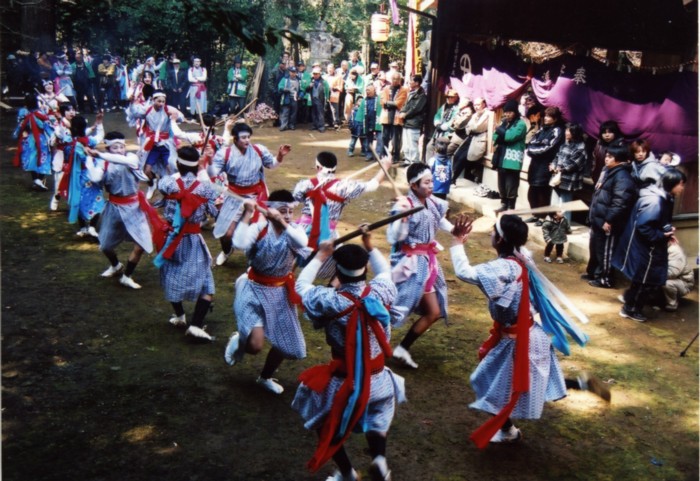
x=539, y=223
x=531, y=220
x=128, y=282
x=231, y=348
x=560, y=260
x=587, y=277
x=198, y=333
x=221, y=258
x=152, y=189
x=178, y=321
x=40, y=185
x=548, y=260
x=82, y=232
x=351, y=153
x=621, y=298
x=53, y=205
x=405, y=357
x=671, y=307
x=93, y=232
x=112, y=270
x=271, y=385
x=510, y=435
x=338, y=476
x=378, y=470
x=598, y=283
x=634, y=315
x=593, y=384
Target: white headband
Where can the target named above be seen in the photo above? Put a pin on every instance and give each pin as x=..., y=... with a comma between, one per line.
x=158, y=94
x=349, y=273
x=187, y=163
x=279, y=204
x=325, y=170
x=499, y=229
x=423, y=173
x=109, y=143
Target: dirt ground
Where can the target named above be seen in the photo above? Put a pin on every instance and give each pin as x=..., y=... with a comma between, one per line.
x=96, y=385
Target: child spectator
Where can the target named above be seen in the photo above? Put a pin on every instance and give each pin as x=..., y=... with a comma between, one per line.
x=608, y=134
x=555, y=230
x=645, y=168
x=670, y=159
x=680, y=276
x=441, y=167
x=356, y=129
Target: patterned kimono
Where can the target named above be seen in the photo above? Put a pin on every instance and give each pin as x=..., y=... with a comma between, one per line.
x=415, y=268
x=265, y=293
x=33, y=132
x=500, y=280
x=85, y=197
x=325, y=307
x=245, y=177
x=123, y=219
x=155, y=132
x=187, y=274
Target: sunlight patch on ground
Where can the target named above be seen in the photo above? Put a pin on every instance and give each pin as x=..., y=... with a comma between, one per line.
x=83, y=246
x=138, y=434
x=624, y=398
x=607, y=354
x=586, y=404
x=332, y=144
x=30, y=220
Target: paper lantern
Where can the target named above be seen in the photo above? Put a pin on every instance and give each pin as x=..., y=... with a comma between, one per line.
x=380, y=27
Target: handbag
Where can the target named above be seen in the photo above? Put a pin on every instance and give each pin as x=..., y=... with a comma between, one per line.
x=555, y=180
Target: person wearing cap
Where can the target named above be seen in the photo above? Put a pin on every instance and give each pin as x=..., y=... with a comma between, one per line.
x=324, y=197
x=373, y=77
x=509, y=140
x=63, y=81
x=393, y=68
x=124, y=217
x=319, y=93
x=442, y=120
x=413, y=116
x=244, y=163
x=289, y=98
x=304, y=99
x=237, y=85
x=183, y=256
x=368, y=112
x=355, y=391
x=265, y=303
x=416, y=271
x=393, y=98
x=177, y=85
x=197, y=77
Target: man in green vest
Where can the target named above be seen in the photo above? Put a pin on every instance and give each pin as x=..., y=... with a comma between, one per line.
x=304, y=100
x=237, y=86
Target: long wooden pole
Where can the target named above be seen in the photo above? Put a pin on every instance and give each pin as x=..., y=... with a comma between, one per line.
x=397, y=192
x=240, y=112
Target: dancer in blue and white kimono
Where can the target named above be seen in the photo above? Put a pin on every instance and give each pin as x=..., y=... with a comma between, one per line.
x=519, y=370
x=265, y=304
x=184, y=258
x=324, y=197
x=355, y=391
x=86, y=200
x=415, y=268
x=33, y=134
x=124, y=218
x=244, y=163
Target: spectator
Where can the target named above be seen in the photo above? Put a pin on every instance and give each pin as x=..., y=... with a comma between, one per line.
x=413, y=116
x=680, y=279
x=642, y=255
x=608, y=134
x=303, y=101
x=555, y=230
x=357, y=130
x=645, y=167
x=197, y=77
x=441, y=167
x=610, y=207
x=444, y=118
x=177, y=85
x=509, y=138
x=473, y=148
x=570, y=162
x=107, y=73
x=368, y=116
x=319, y=92
x=335, y=82
x=393, y=98
x=289, y=93
x=83, y=77
x=64, y=83
x=670, y=159
x=542, y=149
x=237, y=86
x=354, y=86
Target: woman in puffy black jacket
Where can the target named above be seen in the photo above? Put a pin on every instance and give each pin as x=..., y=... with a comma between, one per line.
x=543, y=149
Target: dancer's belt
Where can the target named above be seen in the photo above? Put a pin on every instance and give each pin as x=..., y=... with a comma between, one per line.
x=123, y=200
x=428, y=250
x=273, y=281
x=259, y=190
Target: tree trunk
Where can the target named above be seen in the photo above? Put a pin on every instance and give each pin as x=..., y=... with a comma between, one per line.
x=38, y=25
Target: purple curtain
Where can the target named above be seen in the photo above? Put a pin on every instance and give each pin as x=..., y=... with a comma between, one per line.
x=661, y=108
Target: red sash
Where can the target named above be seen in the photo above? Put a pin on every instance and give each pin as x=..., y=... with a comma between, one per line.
x=189, y=203
x=30, y=120
x=521, y=363
x=287, y=281
x=319, y=197
x=151, y=137
x=317, y=378
x=123, y=200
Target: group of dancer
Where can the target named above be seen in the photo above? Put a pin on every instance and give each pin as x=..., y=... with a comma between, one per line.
x=223, y=178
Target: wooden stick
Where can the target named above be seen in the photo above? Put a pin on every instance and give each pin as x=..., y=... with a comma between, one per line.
x=240, y=112
x=397, y=192
x=362, y=171
x=199, y=112
x=574, y=205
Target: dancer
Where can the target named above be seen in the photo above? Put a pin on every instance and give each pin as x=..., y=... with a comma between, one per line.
x=265, y=300
x=61, y=132
x=184, y=260
x=519, y=370
x=124, y=218
x=355, y=391
x=418, y=276
x=33, y=134
x=246, y=177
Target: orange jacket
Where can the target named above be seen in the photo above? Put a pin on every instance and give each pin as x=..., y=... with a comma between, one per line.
x=398, y=103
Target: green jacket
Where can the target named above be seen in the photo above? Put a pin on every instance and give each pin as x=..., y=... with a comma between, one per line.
x=304, y=82
x=439, y=122
x=91, y=72
x=362, y=112
x=237, y=87
x=511, y=139
x=326, y=91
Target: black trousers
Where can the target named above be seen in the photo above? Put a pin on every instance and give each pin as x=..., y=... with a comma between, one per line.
x=508, y=183
x=392, y=133
x=601, y=247
x=317, y=114
x=539, y=196
x=558, y=247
